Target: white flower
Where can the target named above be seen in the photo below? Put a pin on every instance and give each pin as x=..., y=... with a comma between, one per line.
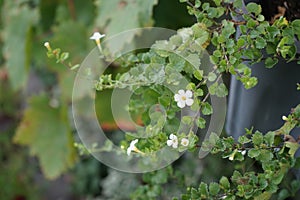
x=184, y=142
x=184, y=98
x=284, y=118
x=97, y=36
x=231, y=157
x=132, y=147
x=47, y=45
x=224, y=197
x=242, y=152
x=173, y=141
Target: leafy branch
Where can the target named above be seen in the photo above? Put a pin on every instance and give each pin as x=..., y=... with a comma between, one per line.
x=60, y=57
x=275, y=155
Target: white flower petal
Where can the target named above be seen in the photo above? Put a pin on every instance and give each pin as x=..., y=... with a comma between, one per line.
x=169, y=143
x=97, y=36
x=244, y=152
x=177, y=97
x=175, y=145
x=181, y=104
x=134, y=142
x=131, y=146
x=189, y=93
x=189, y=102
x=129, y=151
x=181, y=92
x=172, y=137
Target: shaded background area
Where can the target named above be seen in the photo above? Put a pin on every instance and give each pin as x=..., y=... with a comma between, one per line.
x=263, y=106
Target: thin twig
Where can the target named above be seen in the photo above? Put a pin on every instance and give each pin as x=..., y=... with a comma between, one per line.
x=72, y=9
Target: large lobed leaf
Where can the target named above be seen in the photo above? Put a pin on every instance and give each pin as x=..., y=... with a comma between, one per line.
x=46, y=132
x=115, y=16
x=18, y=21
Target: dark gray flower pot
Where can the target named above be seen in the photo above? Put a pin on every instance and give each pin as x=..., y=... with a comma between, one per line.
x=263, y=106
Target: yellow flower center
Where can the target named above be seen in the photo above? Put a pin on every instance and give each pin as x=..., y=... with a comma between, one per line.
x=183, y=98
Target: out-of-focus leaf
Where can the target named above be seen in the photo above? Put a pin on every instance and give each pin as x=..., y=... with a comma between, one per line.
x=103, y=110
x=46, y=132
x=85, y=11
x=283, y=194
x=66, y=82
x=18, y=19
x=264, y=195
x=82, y=12
x=115, y=16
x=47, y=10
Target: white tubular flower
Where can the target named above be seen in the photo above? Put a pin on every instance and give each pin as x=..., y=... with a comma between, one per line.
x=173, y=141
x=97, y=36
x=284, y=118
x=184, y=98
x=47, y=45
x=231, y=157
x=132, y=147
x=184, y=142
